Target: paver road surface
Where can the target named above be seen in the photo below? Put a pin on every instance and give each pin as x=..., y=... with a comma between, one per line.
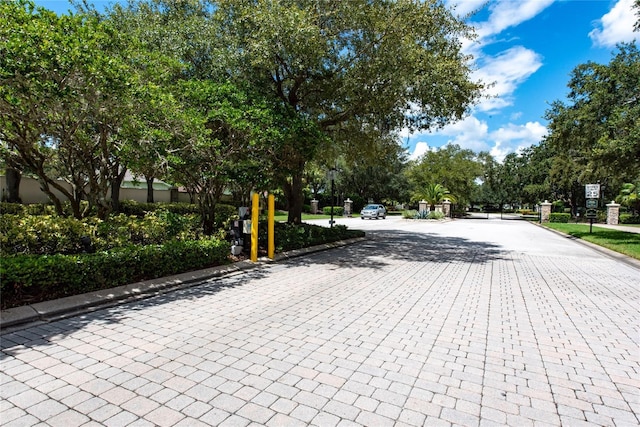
x=467, y=323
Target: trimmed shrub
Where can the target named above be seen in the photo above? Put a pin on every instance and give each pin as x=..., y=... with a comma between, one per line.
x=337, y=210
x=296, y=236
x=32, y=278
x=410, y=214
x=435, y=215
x=629, y=219
x=559, y=217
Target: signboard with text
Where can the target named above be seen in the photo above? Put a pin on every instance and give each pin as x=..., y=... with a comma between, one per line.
x=592, y=191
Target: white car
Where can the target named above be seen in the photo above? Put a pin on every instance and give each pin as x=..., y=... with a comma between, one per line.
x=373, y=211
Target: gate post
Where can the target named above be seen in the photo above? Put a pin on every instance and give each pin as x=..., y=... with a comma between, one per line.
x=545, y=211
x=613, y=213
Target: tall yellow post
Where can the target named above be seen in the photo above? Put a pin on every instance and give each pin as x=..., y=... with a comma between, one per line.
x=271, y=248
x=255, y=206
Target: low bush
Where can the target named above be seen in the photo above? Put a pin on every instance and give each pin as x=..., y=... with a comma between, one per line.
x=51, y=234
x=33, y=278
x=296, y=236
x=337, y=210
x=629, y=219
x=559, y=217
x=435, y=215
x=409, y=214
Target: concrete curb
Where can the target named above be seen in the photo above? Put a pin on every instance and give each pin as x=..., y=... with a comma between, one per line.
x=612, y=254
x=47, y=311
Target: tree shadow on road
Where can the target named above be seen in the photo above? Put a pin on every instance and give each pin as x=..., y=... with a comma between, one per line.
x=384, y=246
x=376, y=252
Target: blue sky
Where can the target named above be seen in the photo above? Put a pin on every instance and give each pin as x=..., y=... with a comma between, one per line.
x=527, y=49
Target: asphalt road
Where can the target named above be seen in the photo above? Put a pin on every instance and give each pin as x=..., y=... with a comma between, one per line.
x=468, y=322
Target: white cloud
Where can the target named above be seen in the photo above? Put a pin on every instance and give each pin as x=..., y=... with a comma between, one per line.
x=506, y=71
x=419, y=150
x=472, y=133
x=505, y=14
x=616, y=26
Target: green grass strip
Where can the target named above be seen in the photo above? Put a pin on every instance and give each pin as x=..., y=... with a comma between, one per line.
x=616, y=240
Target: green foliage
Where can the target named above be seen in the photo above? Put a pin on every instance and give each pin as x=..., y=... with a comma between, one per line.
x=133, y=208
x=409, y=214
x=51, y=234
x=337, y=210
x=295, y=236
x=629, y=219
x=36, y=278
x=559, y=217
x=451, y=167
x=435, y=215
x=599, y=128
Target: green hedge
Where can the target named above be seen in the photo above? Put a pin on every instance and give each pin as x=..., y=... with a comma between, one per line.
x=292, y=236
x=33, y=278
x=629, y=219
x=559, y=217
x=51, y=234
x=337, y=210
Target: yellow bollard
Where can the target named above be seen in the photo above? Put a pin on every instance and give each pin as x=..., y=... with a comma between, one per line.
x=271, y=227
x=255, y=206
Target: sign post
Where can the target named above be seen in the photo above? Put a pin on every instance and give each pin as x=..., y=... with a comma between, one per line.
x=592, y=194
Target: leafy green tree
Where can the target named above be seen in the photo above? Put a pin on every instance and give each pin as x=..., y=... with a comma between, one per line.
x=599, y=127
x=452, y=167
x=348, y=67
x=65, y=98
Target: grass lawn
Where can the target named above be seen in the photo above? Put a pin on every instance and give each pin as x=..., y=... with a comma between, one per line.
x=619, y=241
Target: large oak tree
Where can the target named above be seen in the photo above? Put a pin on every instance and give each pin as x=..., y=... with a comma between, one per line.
x=381, y=64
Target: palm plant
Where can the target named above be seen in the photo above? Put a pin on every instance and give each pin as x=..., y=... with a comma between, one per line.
x=629, y=196
x=434, y=194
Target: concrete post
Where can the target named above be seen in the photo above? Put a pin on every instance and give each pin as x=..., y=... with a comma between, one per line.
x=613, y=213
x=314, y=206
x=446, y=208
x=347, y=207
x=545, y=211
x=422, y=206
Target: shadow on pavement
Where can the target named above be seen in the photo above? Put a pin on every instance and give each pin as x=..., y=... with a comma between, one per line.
x=398, y=245
x=381, y=245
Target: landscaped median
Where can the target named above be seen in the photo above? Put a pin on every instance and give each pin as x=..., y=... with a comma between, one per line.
x=615, y=240
x=30, y=277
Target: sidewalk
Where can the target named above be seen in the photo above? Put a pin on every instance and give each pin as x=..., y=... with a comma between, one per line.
x=463, y=323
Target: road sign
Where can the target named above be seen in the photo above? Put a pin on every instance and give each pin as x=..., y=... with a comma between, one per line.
x=591, y=214
x=592, y=203
x=592, y=191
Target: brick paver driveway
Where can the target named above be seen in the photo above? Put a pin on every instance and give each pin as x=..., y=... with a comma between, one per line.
x=480, y=322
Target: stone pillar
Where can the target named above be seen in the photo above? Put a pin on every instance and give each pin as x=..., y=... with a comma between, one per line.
x=347, y=207
x=422, y=206
x=613, y=213
x=545, y=211
x=314, y=206
x=446, y=208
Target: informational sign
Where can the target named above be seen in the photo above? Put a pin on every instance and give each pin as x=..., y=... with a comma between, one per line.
x=592, y=203
x=592, y=191
x=591, y=214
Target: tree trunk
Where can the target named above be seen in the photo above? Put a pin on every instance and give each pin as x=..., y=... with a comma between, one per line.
x=149, y=180
x=295, y=197
x=116, y=183
x=13, y=185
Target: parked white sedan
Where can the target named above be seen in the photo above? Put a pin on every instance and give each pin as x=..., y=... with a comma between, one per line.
x=373, y=211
